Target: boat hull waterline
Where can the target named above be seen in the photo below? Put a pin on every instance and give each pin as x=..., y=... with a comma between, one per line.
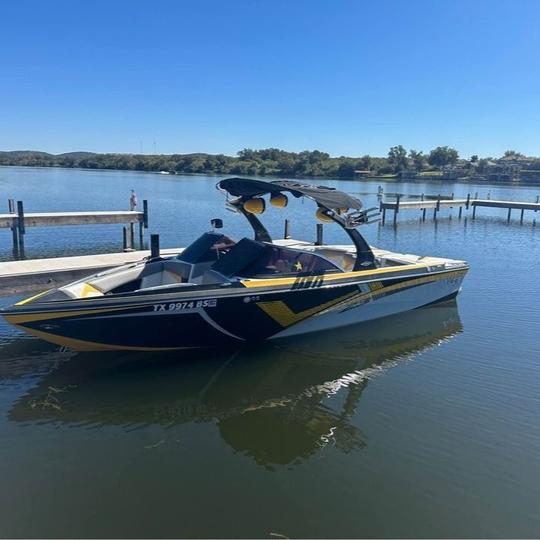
x=252, y=310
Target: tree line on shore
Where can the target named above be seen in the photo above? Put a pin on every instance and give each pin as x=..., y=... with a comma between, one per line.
x=269, y=161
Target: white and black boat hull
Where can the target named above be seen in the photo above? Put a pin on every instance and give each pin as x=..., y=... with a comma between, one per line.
x=253, y=311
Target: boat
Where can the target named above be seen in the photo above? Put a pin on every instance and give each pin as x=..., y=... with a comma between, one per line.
x=220, y=292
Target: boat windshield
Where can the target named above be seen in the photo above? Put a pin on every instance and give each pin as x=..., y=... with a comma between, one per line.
x=249, y=258
x=208, y=247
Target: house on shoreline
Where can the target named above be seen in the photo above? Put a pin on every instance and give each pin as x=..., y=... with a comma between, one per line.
x=505, y=169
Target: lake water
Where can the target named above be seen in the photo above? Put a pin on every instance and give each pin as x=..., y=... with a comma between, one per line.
x=425, y=424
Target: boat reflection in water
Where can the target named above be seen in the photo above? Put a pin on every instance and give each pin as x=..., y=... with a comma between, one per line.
x=267, y=402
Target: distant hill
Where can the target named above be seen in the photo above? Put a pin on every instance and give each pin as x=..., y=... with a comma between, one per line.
x=20, y=154
x=76, y=155
x=36, y=153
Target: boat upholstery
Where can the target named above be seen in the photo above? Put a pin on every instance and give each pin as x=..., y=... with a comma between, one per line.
x=339, y=257
x=142, y=276
x=165, y=273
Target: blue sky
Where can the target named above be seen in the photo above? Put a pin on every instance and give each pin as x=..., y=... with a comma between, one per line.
x=346, y=77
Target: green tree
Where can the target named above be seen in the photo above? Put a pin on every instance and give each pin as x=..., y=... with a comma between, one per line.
x=481, y=165
x=246, y=154
x=365, y=163
x=397, y=158
x=512, y=154
x=443, y=155
x=418, y=159
x=474, y=158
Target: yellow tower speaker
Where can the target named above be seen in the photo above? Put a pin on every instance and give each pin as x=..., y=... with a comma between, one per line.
x=255, y=205
x=279, y=200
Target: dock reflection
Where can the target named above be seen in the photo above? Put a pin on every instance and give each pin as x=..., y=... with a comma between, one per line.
x=268, y=402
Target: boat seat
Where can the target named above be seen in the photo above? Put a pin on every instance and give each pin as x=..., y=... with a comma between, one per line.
x=165, y=273
x=112, y=280
x=151, y=274
x=339, y=257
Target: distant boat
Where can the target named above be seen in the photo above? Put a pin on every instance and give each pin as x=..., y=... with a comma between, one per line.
x=164, y=172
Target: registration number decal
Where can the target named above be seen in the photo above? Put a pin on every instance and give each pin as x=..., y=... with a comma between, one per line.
x=179, y=306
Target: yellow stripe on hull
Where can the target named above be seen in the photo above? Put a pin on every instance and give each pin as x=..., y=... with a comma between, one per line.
x=332, y=277
x=31, y=317
x=82, y=345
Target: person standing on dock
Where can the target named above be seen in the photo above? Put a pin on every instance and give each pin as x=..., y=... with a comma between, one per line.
x=133, y=200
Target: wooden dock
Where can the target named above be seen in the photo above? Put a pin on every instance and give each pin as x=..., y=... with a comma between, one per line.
x=436, y=204
x=54, y=219
x=17, y=220
x=18, y=277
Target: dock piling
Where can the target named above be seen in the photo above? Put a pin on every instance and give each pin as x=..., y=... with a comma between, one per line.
x=319, y=241
x=437, y=207
x=468, y=201
x=145, y=213
x=154, y=246
x=128, y=238
x=286, y=230
x=396, y=209
x=143, y=224
x=521, y=217
x=124, y=239
x=20, y=214
x=508, y=217
x=21, y=228
x=14, y=229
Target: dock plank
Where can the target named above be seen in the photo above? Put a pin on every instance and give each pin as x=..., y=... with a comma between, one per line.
x=514, y=205
x=53, y=219
x=448, y=203
x=419, y=205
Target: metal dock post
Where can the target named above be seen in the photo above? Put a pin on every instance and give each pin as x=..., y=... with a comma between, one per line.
x=396, y=209
x=319, y=241
x=21, y=228
x=154, y=246
x=286, y=230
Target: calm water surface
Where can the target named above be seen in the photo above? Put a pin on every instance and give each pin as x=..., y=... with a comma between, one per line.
x=419, y=425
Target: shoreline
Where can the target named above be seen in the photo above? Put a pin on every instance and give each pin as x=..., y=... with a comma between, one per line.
x=394, y=179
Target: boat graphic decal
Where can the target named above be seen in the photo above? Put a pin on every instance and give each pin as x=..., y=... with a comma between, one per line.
x=339, y=276
x=285, y=316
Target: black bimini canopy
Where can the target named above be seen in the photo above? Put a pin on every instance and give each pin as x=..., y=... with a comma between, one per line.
x=328, y=197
